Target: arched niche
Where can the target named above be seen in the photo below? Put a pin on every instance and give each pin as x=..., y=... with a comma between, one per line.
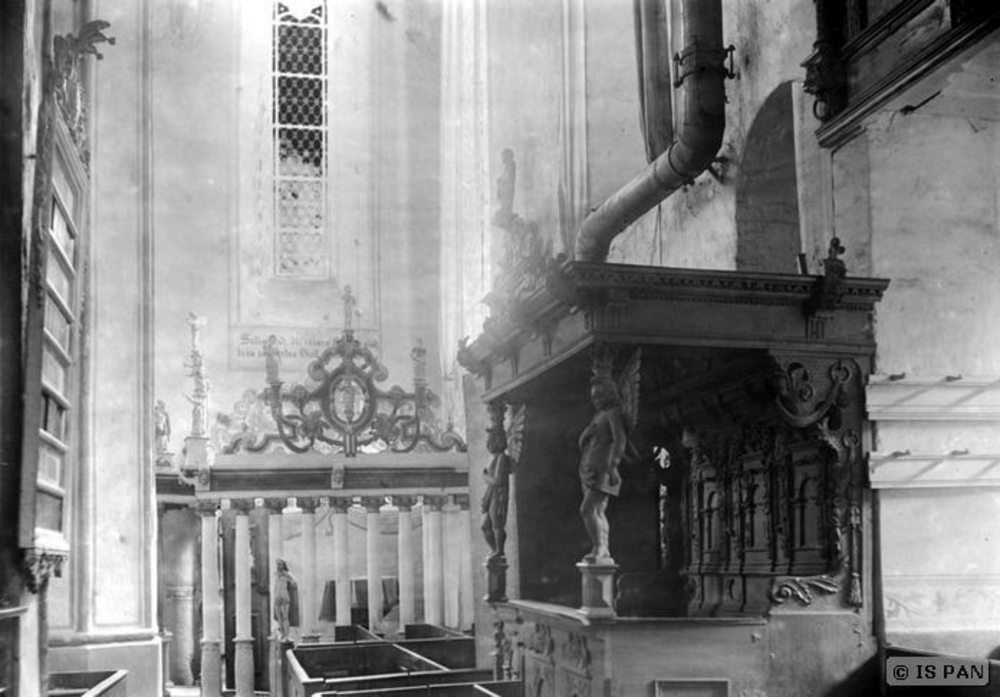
x=767, y=207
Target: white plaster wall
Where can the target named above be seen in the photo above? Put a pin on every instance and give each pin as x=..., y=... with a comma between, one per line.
x=934, y=183
x=387, y=137
x=695, y=227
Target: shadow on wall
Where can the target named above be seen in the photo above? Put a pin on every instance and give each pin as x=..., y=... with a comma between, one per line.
x=767, y=204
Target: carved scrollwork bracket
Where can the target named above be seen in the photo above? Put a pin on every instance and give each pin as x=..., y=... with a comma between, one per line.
x=796, y=393
x=801, y=589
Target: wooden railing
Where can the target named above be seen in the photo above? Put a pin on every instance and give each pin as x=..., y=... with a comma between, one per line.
x=88, y=684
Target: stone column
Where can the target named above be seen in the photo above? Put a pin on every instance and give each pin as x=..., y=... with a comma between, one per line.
x=407, y=601
x=275, y=551
x=452, y=564
x=341, y=568
x=308, y=596
x=373, y=562
x=243, y=641
x=467, y=604
x=433, y=562
x=211, y=602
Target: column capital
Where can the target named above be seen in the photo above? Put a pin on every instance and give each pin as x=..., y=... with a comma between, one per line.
x=340, y=504
x=462, y=501
x=308, y=504
x=404, y=503
x=434, y=503
x=275, y=505
x=205, y=507
x=372, y=504
x=242, y=506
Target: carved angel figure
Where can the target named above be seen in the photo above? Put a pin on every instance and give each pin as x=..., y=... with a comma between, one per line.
x=603, y=444
x=500, y=441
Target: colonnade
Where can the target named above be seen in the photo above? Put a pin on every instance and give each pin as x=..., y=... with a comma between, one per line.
x=446, y=569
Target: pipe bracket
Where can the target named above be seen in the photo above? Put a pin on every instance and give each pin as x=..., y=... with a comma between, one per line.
x=702, y=59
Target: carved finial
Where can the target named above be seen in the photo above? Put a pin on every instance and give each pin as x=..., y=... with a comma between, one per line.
x=833, y=255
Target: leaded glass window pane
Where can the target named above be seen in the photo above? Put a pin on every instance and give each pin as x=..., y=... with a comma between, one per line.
x=300, y=133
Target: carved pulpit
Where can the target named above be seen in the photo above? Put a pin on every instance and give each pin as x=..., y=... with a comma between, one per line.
x=742, y=480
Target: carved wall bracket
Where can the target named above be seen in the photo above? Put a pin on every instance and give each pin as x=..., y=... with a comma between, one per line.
x=38, y=566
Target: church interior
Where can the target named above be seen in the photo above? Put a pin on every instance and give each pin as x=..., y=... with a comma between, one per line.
x=586, y=348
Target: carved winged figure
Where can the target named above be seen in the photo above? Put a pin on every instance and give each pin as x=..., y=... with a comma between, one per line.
x=603, y=444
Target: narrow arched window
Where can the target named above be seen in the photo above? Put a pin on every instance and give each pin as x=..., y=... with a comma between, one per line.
x=301, y=136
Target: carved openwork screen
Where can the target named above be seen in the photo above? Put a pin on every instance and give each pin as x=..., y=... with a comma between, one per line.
x=300, y=133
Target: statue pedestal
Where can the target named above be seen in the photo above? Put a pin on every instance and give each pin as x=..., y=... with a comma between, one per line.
x=598, y=589
x=496, y=577
x=278, y=669
x=196, y=452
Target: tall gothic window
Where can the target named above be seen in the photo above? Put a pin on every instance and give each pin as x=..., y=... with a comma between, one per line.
x=301, y=136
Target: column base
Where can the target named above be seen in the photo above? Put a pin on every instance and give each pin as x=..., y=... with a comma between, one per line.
x=598, y=589
x=211, y=668
x=243, y=653
x=496, y=579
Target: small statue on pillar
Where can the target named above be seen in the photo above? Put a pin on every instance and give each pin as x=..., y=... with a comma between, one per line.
x=286, y=600
x=161, y=429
